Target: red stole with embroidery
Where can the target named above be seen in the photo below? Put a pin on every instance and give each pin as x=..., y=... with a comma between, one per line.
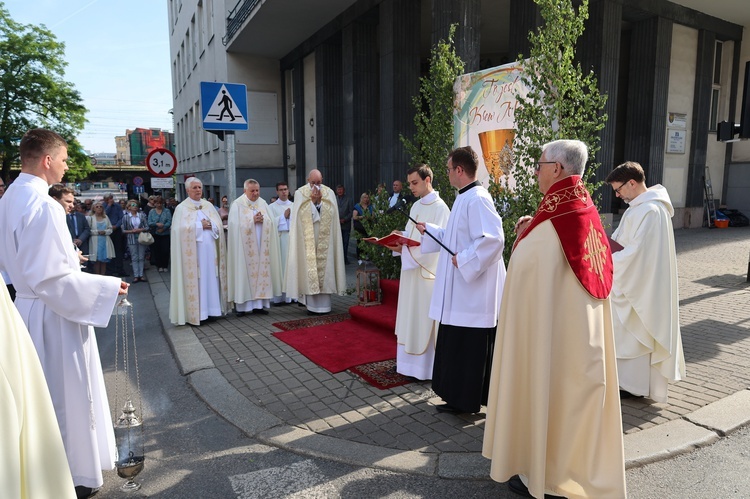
x=575, y=218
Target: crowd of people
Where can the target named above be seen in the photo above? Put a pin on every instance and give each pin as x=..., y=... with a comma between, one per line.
x=548, y=347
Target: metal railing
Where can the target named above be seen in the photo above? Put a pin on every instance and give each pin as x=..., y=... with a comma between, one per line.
x=236, y=17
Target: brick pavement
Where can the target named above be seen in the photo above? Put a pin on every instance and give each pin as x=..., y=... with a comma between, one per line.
x=715, y=324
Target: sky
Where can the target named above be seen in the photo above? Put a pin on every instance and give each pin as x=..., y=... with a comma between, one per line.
x=118, y=60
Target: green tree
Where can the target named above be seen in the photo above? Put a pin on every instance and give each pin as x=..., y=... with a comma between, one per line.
x=434, y=114
x=33, y=92
x=562, y=103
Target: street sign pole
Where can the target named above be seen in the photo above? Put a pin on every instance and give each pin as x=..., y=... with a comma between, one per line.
x=224, y=110
x=231, y=172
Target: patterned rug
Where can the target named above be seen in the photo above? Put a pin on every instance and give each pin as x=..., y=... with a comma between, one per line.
x=310, y=322
x=381, y=374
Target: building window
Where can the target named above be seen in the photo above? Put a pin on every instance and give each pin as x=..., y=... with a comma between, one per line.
x=713, y=116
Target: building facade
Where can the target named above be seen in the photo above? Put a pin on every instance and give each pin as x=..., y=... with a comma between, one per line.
x=330, y=86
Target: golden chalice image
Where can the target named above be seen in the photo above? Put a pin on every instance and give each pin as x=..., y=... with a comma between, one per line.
x=497, y=151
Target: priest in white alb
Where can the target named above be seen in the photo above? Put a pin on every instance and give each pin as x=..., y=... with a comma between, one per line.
x=198, y=288
x=281, y=209
x=315, y=267
x=468, y=286
x=253, y=269
x=415, y=332
x=60, y=306
x=645, y=295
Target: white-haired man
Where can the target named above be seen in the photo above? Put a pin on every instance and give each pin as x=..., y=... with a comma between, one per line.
x=198, y=257
x=553, y=417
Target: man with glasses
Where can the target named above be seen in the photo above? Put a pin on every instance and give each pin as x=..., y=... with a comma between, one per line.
x=645, y=298
x=468, y=286
x=553, y=419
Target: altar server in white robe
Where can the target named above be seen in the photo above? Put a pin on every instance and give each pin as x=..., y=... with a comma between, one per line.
x=253, y=270
x=59, y=305
x=645, y=296
x=416, y=333
x=315, y=268
x=282, y=212
x=468, y=287
x=32, y=457
x=198, y=255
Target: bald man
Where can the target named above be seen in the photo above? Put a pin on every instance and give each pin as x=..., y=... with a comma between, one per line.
x=315, y=266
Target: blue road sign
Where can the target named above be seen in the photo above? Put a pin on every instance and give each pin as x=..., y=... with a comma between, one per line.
x=224, y=106
x=138, y=189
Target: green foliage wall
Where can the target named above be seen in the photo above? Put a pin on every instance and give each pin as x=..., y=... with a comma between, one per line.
x=562, y=103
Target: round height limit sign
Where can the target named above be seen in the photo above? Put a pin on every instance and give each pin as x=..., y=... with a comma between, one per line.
x=161, y=162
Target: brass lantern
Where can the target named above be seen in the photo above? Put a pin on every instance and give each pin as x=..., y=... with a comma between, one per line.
x=368, y=284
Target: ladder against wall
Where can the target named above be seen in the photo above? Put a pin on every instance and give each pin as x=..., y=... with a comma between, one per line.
x=708, y=199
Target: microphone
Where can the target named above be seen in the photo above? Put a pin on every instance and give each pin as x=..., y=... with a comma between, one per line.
x=398, y=206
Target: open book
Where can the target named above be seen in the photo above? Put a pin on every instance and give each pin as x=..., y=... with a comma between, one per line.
x=392, y=240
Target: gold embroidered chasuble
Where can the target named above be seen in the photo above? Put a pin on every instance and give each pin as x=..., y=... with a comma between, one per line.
x=315, y=263
x=254, y=270
x=184, y=304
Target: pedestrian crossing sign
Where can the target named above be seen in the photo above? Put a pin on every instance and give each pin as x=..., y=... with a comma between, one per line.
x=223, y=106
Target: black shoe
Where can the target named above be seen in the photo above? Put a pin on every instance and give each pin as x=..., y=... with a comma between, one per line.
x=516, y=485
x=624, y=394
x=448, y=408
x=83, y=492
x=260, y=311
x=240, y=314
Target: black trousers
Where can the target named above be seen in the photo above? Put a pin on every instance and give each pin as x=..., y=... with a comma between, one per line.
x=463, y=362
x=160, y=252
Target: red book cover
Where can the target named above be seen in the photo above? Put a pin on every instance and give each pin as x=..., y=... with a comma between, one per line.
x=392, y=240
x=614, y=245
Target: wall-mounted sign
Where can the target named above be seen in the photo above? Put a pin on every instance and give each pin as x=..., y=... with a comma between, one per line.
x=676, y=141
x=677, y=120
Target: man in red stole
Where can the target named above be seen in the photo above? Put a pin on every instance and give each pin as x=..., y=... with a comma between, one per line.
x=553, y=416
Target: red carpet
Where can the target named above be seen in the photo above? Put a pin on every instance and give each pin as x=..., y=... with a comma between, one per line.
x=365, y=340
x=341, y=345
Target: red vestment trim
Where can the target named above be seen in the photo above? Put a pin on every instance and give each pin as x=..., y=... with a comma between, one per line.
x=576, y=220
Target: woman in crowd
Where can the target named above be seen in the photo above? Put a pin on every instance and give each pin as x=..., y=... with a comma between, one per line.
x=361, y=210
x=160, y=220
x=133, y=223
x=101, y=249
x=224, y=209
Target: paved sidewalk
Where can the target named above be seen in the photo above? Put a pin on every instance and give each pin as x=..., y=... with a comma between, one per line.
x=276, y=395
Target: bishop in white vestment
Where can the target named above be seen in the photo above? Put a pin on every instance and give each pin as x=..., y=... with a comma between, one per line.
x=60, y=305
x=416, y=333
x=315, y=267
x=281, y=209
x=253, y=270
x=645, y=295
x=198, y=255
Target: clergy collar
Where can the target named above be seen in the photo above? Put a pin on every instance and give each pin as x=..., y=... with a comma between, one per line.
x=196, y=203
x=465, y=188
